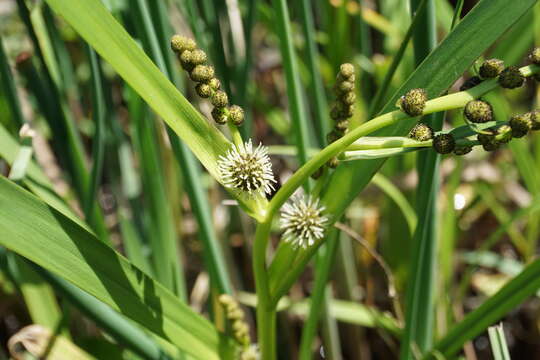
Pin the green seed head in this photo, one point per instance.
(346, 71)
(511, 78)
(214, 83)
(345, 110)
(413, 102)
(202, 73)
(344, 87)
(489, 142)
(220, 115)
(478, 111)
(534, 56)
(186, 60)
(520, 124)
(470, 83)
(342, 126)
(462, 150)
(535, 119)
(220, 99)
(348, 98)
(198, 57)
(444, 143)
(421, 132)
(236, 114)
(491, 68)
(180, 43)
(504, 134)
(204, 90)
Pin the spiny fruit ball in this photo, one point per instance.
(511, 78)
(520, 124)
(236, 114)
(219, 115)
(346, 71)
(180, 43)
(220, 99)
(413, 102)
(204, 90)
(478, 111)
(489, 143)
(444, 143)
(202, 73)
(491, 68)
(421, 132)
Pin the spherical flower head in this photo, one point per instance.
(204, 90)
(246, 169)
(220, 99)
(346, 71)
(421, 132)
(462, 150)
(198, 57)
(303, 221)
(348, 98)
(504, 134)
(236, 114)
(489, 142)
(214, 83)
(534, 56)
(413, 102)
(491, 68)
(185, 60)
(444, 143)
(511, 78)
(520, 124)
(345, 110)
(180, 43)
(478, 111)
(344, 87)
(470, 83)
(202, 73)
(220, 115)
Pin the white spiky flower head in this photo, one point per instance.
(303, 221)
(247, 169)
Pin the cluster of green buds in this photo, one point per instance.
(343, 108)
(194, 61)
(240, 328)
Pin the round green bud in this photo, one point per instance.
(491, 68)
(535, 119)
(345, 110)
(185, 60)
(214, 83)
(333, 162)
(220, 99)
(489, 143)
(421, 132)
(346, 71)
(520, 124)
(236, 114)
(534, 56)
(504, 134)
(444, 143)
(332, 136)
(342, 126)
(511, 78)
(462, 150)
(470, 83)
(343, 87)
(478, 111)
(180, 43)
(219, 115)
(348, 98)
(413, 102)
(202, 73)
(204, 90)
(198, 57)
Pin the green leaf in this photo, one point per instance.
(498, 343)
(46, 237)
(98, 27)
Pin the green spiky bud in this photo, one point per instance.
(202, 73)
(520, 124)
(333, 162)
(535, 120)
(413, 102)
(198, 57)
(444, 143)
(342, 126)
(236, 114)
(185, 60)
(470, 83)
(462, 150)
(204, 90)
(504, 134)
(421, 132)
(491, 68)
(220, 99)
(214, 83)
(220, 115)
(489, 142)
(343, 87)
(534, 56)
(478, 111)
(346, 71)
(180, 43)
(348, 98)
(511, 78)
